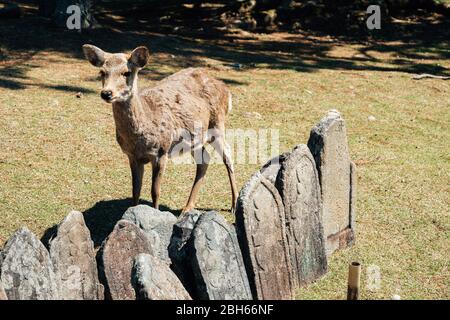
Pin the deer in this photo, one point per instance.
(152, 122)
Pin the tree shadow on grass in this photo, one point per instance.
(180, 44)
(68, 88)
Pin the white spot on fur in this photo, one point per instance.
(230, 103)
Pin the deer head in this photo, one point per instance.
(118, 71)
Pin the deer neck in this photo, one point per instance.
(129, 114)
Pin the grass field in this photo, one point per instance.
(59, 152)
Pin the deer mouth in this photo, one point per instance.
(110, 100)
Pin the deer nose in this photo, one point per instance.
(106, 94)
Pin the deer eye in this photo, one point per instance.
(127, 74)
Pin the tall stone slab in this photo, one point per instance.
(27, 272)
(157, 225)
(124, 243)
(261, 230)
(216, 260)
(154, 280)
(73, 256)
(337, 176)
(298, 184)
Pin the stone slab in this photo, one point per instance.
(299, 187)
(73, 256)
(329, 147)
(217, 261)
(261, 230)
(154, 280)
(27, 272)
(124, 243)
(157, 225)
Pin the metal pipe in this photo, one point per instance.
(354, 276)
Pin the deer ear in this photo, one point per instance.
(140, 56)
(96, 56)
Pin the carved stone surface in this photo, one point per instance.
(73, 256)
(260, 226)
(178, 250)
(154, 280)
(26, 270)
(124, 243)
(216, 260)
(157, 225)
(328, 145)
(2, 293)
(298, 183)
(271, 169)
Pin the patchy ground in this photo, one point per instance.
(59, 151)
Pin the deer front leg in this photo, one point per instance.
(159, 165)
(137, 173)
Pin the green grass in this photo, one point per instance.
(59, 152)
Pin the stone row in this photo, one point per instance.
(297, 210)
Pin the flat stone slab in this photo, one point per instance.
(154, 280)
(27, 272)
(124, 243)
(157, 225)
(261, 230)
(73, 256)
(337, 176)
(216, 260)
(299, 187)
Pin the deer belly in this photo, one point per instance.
(185, 144)
(138, 149)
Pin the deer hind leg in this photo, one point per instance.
(159, 166)
(137, 173)
(224, 150)
(202, 166)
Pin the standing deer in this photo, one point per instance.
(152, 122)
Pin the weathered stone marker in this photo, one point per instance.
(153, 279)
(260, 226)
(298, 184)
(73, 256)
(124, 243)
(179, 253)
(337, 174)
(216, 260)
(27, 272)
(157, 225)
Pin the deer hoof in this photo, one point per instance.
(186, 209)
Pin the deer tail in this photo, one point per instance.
(230, 102)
